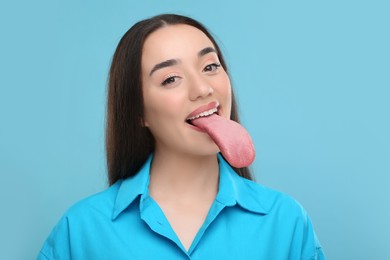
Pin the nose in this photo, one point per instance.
(199, 88)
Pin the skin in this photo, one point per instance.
(184, 173)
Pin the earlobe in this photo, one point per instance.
(144, 123)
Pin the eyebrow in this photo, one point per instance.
(173, 62)
(163, 64)
(205, 51)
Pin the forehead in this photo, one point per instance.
(174, 42)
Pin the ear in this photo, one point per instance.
(144, 123)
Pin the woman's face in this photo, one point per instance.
(181, 72)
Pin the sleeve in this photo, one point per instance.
(57, 245)
(311, 247)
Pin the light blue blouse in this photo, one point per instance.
(246, 221)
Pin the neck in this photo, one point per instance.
(183, 176)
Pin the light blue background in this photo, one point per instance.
(312, 79)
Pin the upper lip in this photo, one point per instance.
(203, 108)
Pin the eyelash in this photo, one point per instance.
(209, 68)
(169, 79)
(215, 65)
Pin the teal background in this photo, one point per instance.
(312, 80)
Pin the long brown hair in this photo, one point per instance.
(128, 143)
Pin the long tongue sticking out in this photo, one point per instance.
(232, 139)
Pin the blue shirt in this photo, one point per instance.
(246, 221)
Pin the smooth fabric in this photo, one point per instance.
(246, 221)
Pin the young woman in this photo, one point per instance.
(179, 186)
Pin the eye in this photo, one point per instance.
(212, 67)
(170, 80)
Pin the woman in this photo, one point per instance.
(171, 144)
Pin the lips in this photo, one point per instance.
(204, 110)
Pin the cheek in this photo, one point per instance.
(224, 90)
(229, 102)
(162, 107)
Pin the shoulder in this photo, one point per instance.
(273, 201)
(256, 197)
(287, 215)
(78, 220)
(99, 203)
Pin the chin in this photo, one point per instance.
(206, 150)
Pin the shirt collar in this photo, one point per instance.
(131, 187)
(233, 189)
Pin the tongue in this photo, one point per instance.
(232, 139)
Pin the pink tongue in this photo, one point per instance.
(232, 139)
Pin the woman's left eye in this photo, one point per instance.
(212, 67)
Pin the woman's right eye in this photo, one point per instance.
(169, 80)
